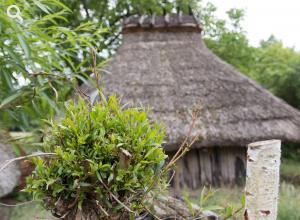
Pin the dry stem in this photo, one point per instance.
(7, 162)
(115, 198)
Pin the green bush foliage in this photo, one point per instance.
(106, 156)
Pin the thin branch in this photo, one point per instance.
(115, 198)
(102, 209)
(151, 213)
(173, 174)
(94, 65)
(64, 215)
(194, 117)
(82, 94)
(75, 200)
(182, 153)
(185, 146)
(7, 162)
(18, 204)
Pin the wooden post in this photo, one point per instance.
(262, 181)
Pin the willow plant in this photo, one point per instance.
(41, 59)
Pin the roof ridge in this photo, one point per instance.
(167, 21)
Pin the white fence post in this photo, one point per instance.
(262, 181)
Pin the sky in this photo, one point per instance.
(265, 17)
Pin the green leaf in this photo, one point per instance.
(16, 57)
(111, 177)
(10, 99)
(43, 7)
(229, 211)
(150, 152)
(49, 182)
(24, 45)
(243, 200)
(83, 184)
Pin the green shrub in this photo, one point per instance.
(107, 160)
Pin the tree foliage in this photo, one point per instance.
(41, 58)
(277, 68)
(228, 39)
(271, 64)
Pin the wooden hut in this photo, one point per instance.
(163, 63)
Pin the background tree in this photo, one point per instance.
(41, 59)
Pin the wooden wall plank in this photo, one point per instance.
(206, 166)
(193, 169)
(211, 166)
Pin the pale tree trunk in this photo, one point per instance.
(262, 182)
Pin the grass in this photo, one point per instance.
(290, 167)
(289, 202)
(289, 192)
(288, 208)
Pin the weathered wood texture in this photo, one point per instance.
(262, 182)
(211, 166)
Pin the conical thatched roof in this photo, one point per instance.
(163, 63)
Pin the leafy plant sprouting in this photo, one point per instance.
(107, 160)
(206, 202)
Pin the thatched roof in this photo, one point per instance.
(163, 63)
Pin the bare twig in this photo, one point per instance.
(185, 146)
(82, 94)
(102, 209)
(115, 198)
(173, 174)
(7, 162)
(18, 204)
(64, 215)
(151, 213)
(94, 60)
(75, 200)
(182, 153)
